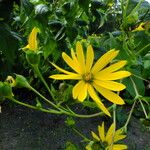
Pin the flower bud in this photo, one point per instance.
(21, 81)
(32, 40)
(5, 89)
(32, 57)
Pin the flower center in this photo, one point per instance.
(87, 77)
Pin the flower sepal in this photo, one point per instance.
(21, 81)
(32, 57)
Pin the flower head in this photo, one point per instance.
(95, 77)
(32, 40)
(139, 28)
(108, 139)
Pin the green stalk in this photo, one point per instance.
(36, 68)
(145, 113)
(45, 99)
(63, 111)
(137, 97)
(129, 117)
(34, 107)
(83, 136)
(114, 121)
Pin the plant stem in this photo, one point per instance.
(135, 89)
(83, 136)
(44, 98)
(63, 111)
(138, 97)
(33, 107)
(145, 113)
(129, 117)
(92, 115)
(36, 68)
(114, 122)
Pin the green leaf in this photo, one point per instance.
(49, 47)
(8, 47)
(38, 104)
(84, 4)
(70, 121)
(96, 4)
(146, 60)
(72, 33)
(55, 25)
(138, 82)
(41, 9)
(141, 39)
(145, 121)
(89, 104)
(27, 6)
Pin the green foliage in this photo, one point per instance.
(8, 48)
(104, 24)
(70, 121)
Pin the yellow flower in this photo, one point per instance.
(139, 28)
(32, 40)
(108, 139)
(93, 77)
(11, 81)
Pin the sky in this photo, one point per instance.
(148, 1)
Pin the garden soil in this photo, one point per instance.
(25, 129)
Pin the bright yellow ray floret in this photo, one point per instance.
(93, 77)
(32, 40)
(109, 139)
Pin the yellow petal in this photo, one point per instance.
(95, 136)
(77, 88)
(89, 58)
(114, 67)
(75, 59)
(26, 47)
(80, 56)
(113, 97)
(112, 76)
(65, 77)
(83, 92)
(110, 134)
(89, 146)
(111, 85)
(33, 39)
(71, 63)
(104, 60)
(101, 131)
(119, 137)
(119, 131)
(97, 100)
(119, 147)
(61, 70)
